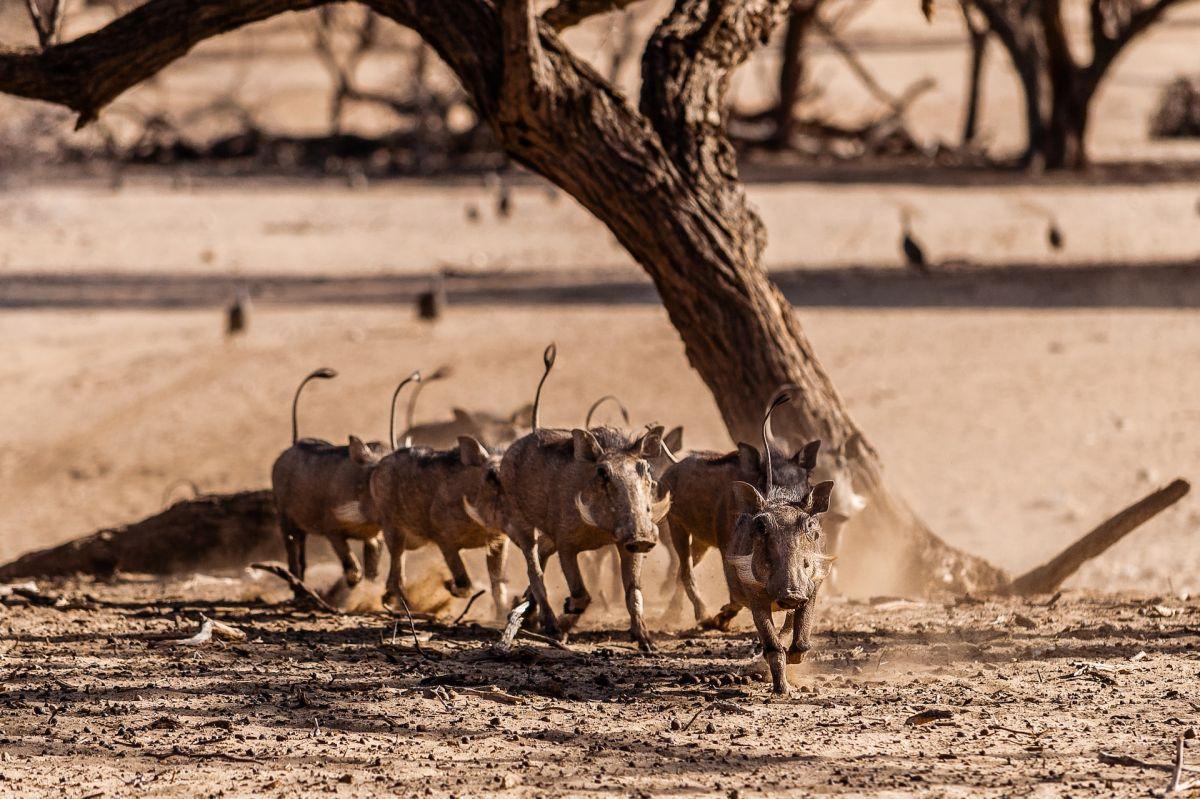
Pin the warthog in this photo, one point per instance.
(773, 561)
(447, 498)
(488, 428)
(568, 491)
(324, 489)
(703, 509)
(672, 442)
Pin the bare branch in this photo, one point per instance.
(568, 13)
(87, 73)
(46, 27)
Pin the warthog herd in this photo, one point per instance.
(477, 482)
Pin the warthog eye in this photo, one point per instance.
(760, 525)
(604, 471)
(642, 468)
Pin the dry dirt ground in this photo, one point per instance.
(1000, 698)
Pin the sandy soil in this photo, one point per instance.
(1021, 700)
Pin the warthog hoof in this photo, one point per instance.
(645, 645)
(459, 591)
(717, 622)
(796, 653)
(353, 577)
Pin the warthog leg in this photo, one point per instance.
(372, 555)
(772, 650)
(350, 566)
(459, 584)
(396, 540)
(579, 599)
(497, 555)
(293, 542)
(631, 576)
(802, 621)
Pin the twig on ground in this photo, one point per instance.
(545, 639)
(1177, 783)
(467, 609)
(297, 585)
(412, 627)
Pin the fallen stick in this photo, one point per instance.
(545, 639)
(1177, 783)
(1049, 576)
(296, 584)
(411, 627)
(467, 609)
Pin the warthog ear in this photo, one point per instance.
(461, 416)
(587, 448)
(359, 452)
(748, 458)
(817, 500)
(747, 497)
(523, 416)
(651, 444)
(806, 458)
(471, 452)
(674, 440)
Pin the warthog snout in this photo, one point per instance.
(639, 545)
(791, 600)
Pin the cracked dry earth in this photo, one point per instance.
(995, 698)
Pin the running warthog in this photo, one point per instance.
(450, 499)
(773, 561)
(568, 491)
(704, 510)
(324, 489)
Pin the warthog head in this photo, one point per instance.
(777, 541)
(616, 490)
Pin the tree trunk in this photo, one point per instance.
(1065, 145)
(977, 39)
(791, 72)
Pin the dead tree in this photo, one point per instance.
(1058, 87)
(662, 176)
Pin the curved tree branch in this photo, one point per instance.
(88, 73)
(568, 13)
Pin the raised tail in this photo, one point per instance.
(782, 398)
(440, 373)
(548, 359)
(415, 377)
(587, 422)
(324, 373)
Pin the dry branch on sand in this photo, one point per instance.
(214, 531)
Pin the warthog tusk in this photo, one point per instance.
(584, 513)
(742, 565)
(473, 513)
(660, 509)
